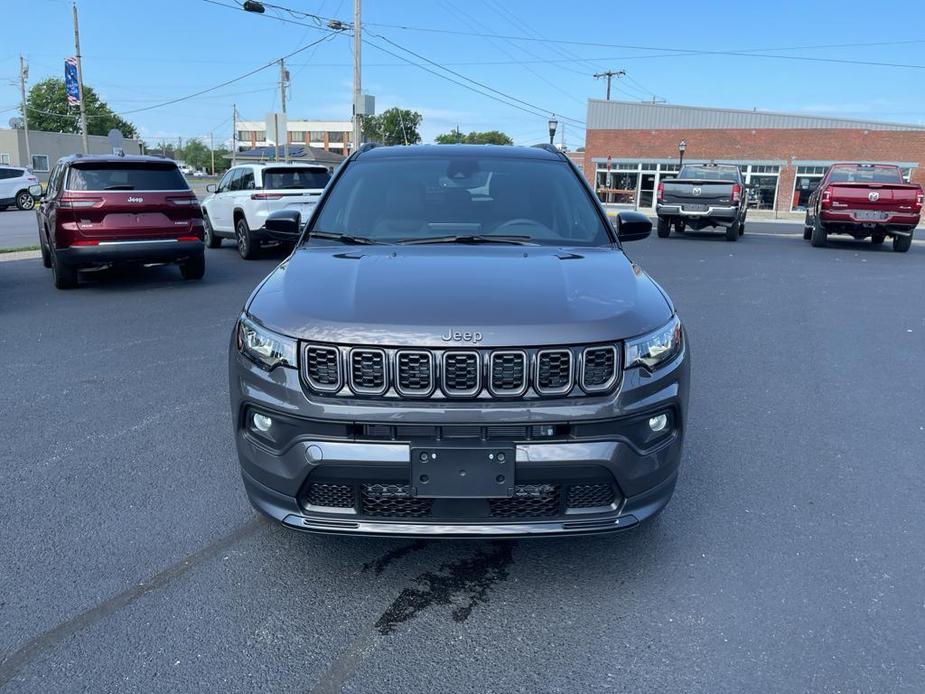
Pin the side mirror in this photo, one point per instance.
(211, 188)
(632, 226)
(284, 225)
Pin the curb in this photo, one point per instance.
(20, 255)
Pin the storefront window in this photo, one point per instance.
(617, 186)
(805, 182)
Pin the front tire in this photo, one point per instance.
(65, 276)
(247, 248)
(208, 233)
(24, 200)
(902, 244)
(818, 238)
(193, 268)
(663, 228)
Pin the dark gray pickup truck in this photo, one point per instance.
(703, 195)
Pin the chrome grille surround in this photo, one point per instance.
(368, 371)
(548, 356)
(407, 370)
(589, 353)
(455, 359)
(313, 369)
(508, 359)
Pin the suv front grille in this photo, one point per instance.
(485, 373)
(322, 368)
(529, 501)
(330, 495)
(508, 373)
(554, 371)
(590, 495)
(598, 368)
(392, 501)
(368, 371)
(461, 373)
(415, 373)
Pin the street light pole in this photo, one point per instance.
(80, 85)
(682, 145)
(553, 124)
(282, 98)
(23, 74)
(357, 73)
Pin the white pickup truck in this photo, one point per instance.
(237, 207)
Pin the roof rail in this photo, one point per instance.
(551, 148)
(366, 146)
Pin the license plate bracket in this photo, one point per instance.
(694, 207)
(871, 215)
(451, 472)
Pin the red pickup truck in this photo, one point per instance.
(864, 200)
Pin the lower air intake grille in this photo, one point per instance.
(508, 373)
(415, 373)
(392, 501)
(590, 495)
(599, 368)
(461, 373)
(331, 495)
(554, 371)
(529, 501)
(368, 371)
(322, 368)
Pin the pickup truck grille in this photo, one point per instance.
(529, 373)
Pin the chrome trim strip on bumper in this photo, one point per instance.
(678, 209)
(575, 527)
(132, 243)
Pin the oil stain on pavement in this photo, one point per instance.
(463, 583)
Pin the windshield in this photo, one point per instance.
(103, 176)
(391, 200)
(708, 173)
(854, 173)
(280, 179)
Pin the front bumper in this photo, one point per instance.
(155, 251)
(354, 447)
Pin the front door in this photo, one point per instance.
(646, 191)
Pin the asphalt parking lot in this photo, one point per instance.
(791, 558)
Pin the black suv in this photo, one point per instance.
(458, 346)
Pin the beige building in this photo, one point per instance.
(47, 148)
(330, 135)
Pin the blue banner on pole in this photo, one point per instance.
(71, 85)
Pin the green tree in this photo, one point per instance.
(488, 137)
(396, 126)
(49, 110)
(197, 156)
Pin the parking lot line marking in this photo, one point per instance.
(45, 641)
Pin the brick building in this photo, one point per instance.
(631, 146)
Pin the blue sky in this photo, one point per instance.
(138, 54)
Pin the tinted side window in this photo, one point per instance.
(247, 180)
(224, 182)
(235, 182)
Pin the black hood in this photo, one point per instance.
(509, 295)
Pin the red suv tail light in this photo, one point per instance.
(826, 198)
(79, 203)
(736, 192)
(183, 201)
(266, 196)
(919, 201)
(660, 194)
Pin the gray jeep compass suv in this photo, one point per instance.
(458, 346)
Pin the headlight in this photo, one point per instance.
(264, 347)
(657, 348)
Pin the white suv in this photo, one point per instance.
(18, 186)
(238, 206)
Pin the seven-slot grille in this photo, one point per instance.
(368, 371)
(415, 373)
(554, 371)
(508, 373)
(462, 373)
(322, 368)
(598, 368)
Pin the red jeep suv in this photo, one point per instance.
(105, 210)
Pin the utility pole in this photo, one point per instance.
(283, 79)
(609, 74)
(234, 132)
(80, 85)
(357, 77)
(212, 149)
(23, 74)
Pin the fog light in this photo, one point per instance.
(658, 423)
(263, 423)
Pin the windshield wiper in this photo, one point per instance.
(473, 239)
(343, 238)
